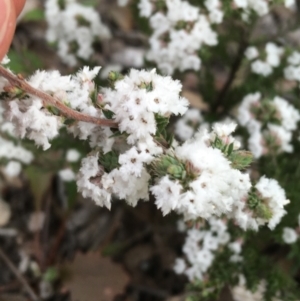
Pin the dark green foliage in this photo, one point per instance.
(108, 114)
(162, 134)
(168, 165)
(239, 159)
(109, 160)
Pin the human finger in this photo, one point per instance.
(7, 25)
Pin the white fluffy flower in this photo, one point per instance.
(89, 181)
(13, 169)
(294, 58)
(289, 3)
(274, 54)
(200, 248)
(131, 188)
(122, 2)
(72, 155)
(245, 114)
(5, 60)
(167, 194)
(9, 150)
(67, 175)
(261, 67)
(251, 53)
(260, 7)
(273, 57)
(74, 27)
(179, 33)
(186, 126)
(215, 188)
(292, 71)
(289, 235)
(33, 121)
(288, 115)
(37, 122)
(138, 97)
(274, 197)
(267, 135)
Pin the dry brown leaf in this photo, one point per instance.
(195, 100)
(95, 278)
(123, 17)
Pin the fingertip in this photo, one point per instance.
(19, 5)
(7, 26)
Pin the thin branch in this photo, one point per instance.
(19, 82)
(20, 277)
(234, 69)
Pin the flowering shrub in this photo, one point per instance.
(227, 171)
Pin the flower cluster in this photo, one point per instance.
(259, 7)
(186, 126)
(141, 103)
(67, 174)
(270, 123)
(265, 67)
(179, 32)
(74, 27)
(205, 189)
(41, 122)
(266, 200)
(201, 247)
(12, 155)
(292, 71)
(201, 178)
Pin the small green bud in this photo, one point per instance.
(240, 159)
(147, 86)
(263, 211)
(168, 165)
(176, 171)
(14, 91)
(114, 76)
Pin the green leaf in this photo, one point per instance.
(118, 134)
(69, 121)
(240, 159)
(230, 149)
(24, 62)
(34, 15)
(51, 274)
(53, 110)
(109, 161)
(161, 123)
(108, 114)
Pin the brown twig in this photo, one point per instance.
(20, 277)
(57, 243)
(234, 69)
(19, 82)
